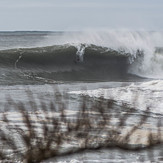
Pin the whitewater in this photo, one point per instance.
(140, 96)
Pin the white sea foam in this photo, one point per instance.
(80, 52)
(147, 94)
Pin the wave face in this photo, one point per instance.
(65, 62)
(69, 56)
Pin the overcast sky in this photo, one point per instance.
(62, 15)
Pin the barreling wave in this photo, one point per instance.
(66, 62)
(69, 62)
(58, 55)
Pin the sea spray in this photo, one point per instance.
(80, 53)
(128, 42)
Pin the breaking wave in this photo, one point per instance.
(84, 56)
(148, 42)
(66, 62)
(63, 56)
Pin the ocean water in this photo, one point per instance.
(126, 66)
(54, 58)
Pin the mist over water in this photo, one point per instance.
(150, 44)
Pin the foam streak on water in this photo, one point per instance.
(141, 96)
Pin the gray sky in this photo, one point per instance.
(81, 14)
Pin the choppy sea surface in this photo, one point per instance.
(121, 65)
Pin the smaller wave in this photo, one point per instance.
(140, 96)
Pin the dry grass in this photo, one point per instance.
(49, 129)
